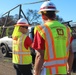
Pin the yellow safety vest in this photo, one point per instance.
(57, 40)
(21, 55)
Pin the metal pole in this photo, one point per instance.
(11, 9)
(20, 11)
(35, 2)
(5, 24)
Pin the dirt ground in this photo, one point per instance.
(6, 69)
(6, 66)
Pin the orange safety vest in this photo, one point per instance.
(57, 40)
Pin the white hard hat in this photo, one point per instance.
(48, 6)
(22, 22)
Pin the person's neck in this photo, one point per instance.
(48, 20)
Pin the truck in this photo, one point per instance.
(6, 45)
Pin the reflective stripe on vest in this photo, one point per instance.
(48, 42)
(55, 62)
(21, 53)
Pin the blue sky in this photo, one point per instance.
(67, 8)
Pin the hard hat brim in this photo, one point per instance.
(22, 25)
(47, 10)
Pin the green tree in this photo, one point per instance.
(33, 17)
(59, 18)
(5, 23)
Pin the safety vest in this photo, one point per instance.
(57, 40)
(21, 55)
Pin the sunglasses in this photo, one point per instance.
(25, 27)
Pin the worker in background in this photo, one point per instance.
(22, 58)
(51, 42)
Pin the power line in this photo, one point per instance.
(35, 2)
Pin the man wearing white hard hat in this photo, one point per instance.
(22, 58)
(51, 42)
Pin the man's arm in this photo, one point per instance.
(70, 61)
(39, 62)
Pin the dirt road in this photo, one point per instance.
(6, 66)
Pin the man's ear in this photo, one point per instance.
(44, 17)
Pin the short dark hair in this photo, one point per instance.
(49, 14)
